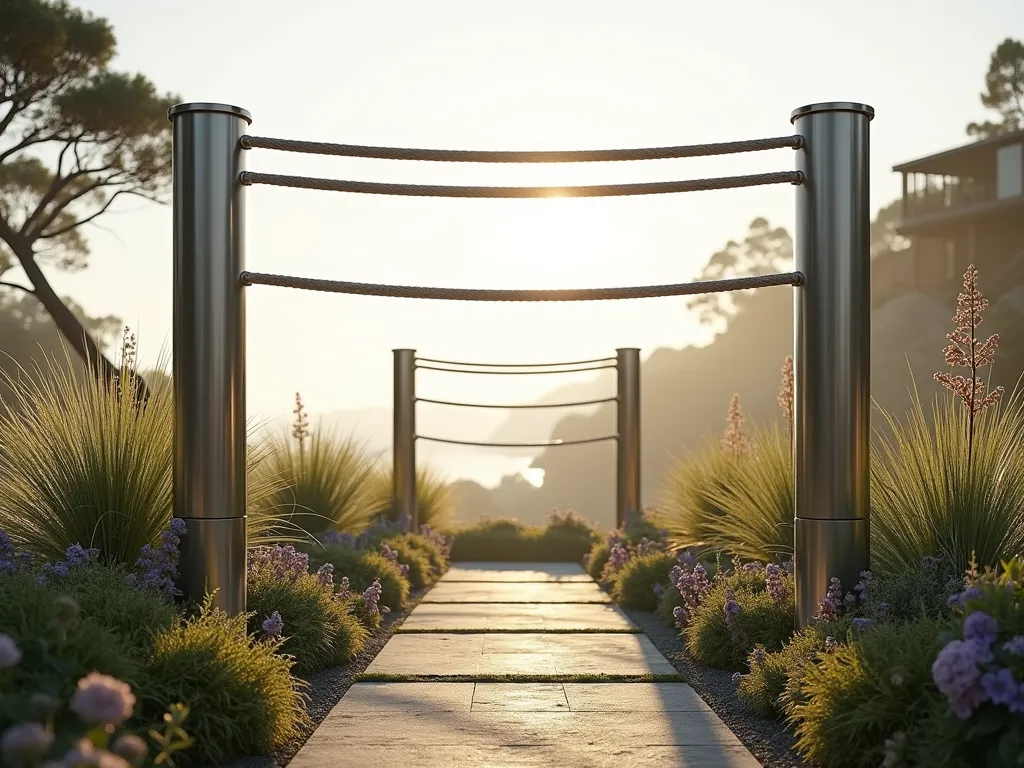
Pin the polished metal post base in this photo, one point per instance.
(827, 548)
(213, 562)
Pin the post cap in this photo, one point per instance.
(208, 106)
(832, 106)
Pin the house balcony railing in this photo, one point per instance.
(953, 197)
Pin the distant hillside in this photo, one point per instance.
(685, 394)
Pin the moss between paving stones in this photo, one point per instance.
(384, 677)
(527, 631)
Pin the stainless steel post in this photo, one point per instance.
(209, 350)
(404, 442)
(628, 447)
(832, 361)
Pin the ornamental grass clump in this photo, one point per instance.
(95, 467)
(435, 497)
(324, 481)
(319, 630)
(634, 585)
(952, 484)
(242, 697)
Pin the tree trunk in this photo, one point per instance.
(69, 326)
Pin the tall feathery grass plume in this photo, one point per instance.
(965, 350)
(952, 484)
(785, 398)
(735, 439)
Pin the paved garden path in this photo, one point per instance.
(521, 664)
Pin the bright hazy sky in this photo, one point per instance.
(517, 74)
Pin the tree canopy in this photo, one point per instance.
(74, 137)
(1004, 91)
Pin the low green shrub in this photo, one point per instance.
(361, 567)
(420, 572)
(597, 558)
(634, 583)
(510, 540)
(915, 592)
(736, 615)
(430, 548)
(318, 629)
(862, 693)
(106, 595)
(59, 645)
(241, 695)
(642, 526)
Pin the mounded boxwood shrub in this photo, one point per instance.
(864, 692)
(421, 573)
(319, 630)
(633, 586)
(433, 552)
(362, 566)
(241, 695)
(762, 620)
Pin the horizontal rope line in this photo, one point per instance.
(520, 405)
(512, 294)
(515, 365)
(492, 156)
(547, 444)
(518, 373)
(602, 190)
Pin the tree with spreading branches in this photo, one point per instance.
(74, 137)
(1004, 91)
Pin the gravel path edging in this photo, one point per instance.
(326, 687)
(768, 740)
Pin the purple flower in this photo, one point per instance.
(1000, 687)
(828, 608)
(1015, 645)
(751, 567)
(10, 653)
(686, 559)
(84, 753)
(883, 609)
(957, 676)
(961, 599)
(371, 597)
(325, 574)
(861, 624)
(757, 656)
(680, 615)
(864, 585)
(981, 628)
(102, 700)
(646, 547)
(130, 748)
(278, 562)
(344, 593)
(24, 744)
(830, 644)
(732, 612)
(774, 583)
(157, 568)
(274, 625)
(657, 589)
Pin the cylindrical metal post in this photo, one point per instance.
(628, 449)
(832, 361)
(404, 442)
(209, 350)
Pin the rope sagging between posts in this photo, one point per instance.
(511, 294)
(249, 178)
(491, 156)
(545, 444)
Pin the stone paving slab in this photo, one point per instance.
(521, 616)
(516, 572)
(505, 592)
(527, 653)
(319, 753)
(519, 697)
